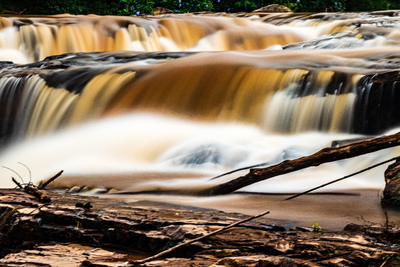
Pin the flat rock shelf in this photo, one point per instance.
(76, 230)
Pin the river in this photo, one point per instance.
(157, 103)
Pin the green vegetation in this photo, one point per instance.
(316, 228)
(137, 7)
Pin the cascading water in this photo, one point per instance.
(177, 116)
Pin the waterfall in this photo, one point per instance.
(176, 82)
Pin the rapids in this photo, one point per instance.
(162, 102)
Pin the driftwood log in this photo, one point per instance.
(325, 155)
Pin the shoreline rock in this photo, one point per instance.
(112, 233)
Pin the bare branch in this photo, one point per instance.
(50, 180)
(325, 155)
(16, 182)
(344, 177)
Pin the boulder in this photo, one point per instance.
(273, 8)
(391, 193)
(161, 10)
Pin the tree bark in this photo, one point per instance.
(328, 154)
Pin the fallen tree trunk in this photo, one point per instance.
(328, 154)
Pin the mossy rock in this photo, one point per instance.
(161, 10)
(273, 8)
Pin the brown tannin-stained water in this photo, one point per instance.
(160, 103)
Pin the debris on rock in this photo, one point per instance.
(113, 233)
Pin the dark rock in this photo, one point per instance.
(304, 229)
(178, 232)
(258, 260)
(353, 227)
(27, 245)
(86, 205)
(391, 193)
(359, 258)
(222, 253)
(112, 231)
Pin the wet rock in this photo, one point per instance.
(63, 255)
(161, 10)
(311, 254)
(113, 233)
(86, 205)
(177, 232)
(273, 8)
(222, 253)
(284, 246)
(304, 229)
(359, 258)
(391, 193)
(249, 261)
(351, 227)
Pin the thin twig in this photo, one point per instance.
(16, 182)
(387, 259)
(196, 239)
(38, 208)
(51, 180)
(345, 177)
(240, 169)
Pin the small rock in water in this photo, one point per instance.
(275, 47)
(201, 155)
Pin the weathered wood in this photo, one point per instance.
(41, 196)
(42, 186)
(325, 155)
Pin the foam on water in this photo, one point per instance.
(147, 151)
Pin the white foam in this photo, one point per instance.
(152, 143)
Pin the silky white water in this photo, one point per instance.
(146, 122)
(141, 146)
